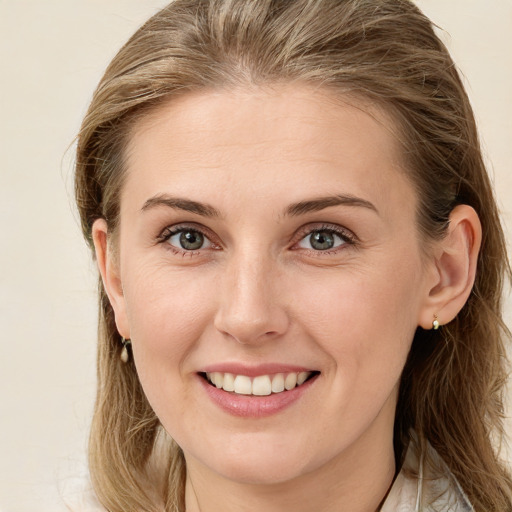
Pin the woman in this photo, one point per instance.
(291, 218)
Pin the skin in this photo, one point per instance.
(259, 292)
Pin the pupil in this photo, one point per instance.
(191, 240)
(322, 240)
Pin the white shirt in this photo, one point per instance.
(425, 488)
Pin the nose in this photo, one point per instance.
(251, 309)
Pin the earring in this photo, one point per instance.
(435, 323)
(125, 355)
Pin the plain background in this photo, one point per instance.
(52, 56)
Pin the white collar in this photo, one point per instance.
(424, 484)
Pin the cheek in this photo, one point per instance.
(364, 319)
(359, 302)
(166, 306)
(359, 325)
(167, 313)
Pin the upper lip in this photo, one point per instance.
(254, 370)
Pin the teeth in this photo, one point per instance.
(301, 378)
(218, 379)
(262, 385)
(278, 383)
(229, 382)
(291, 381)
(243, 385)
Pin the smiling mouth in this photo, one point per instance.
(262, 385)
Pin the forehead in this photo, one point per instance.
(285, 134)
(297, 109)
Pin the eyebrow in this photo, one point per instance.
(178, 203)
(294, 210)
(320, 203)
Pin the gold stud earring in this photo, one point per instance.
(125, 355)
(435, 323)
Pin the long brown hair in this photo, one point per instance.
(387, 52)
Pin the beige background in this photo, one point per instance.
(52, 54)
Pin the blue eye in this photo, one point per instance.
(322, 240)
(188, 240)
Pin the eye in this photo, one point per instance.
(188, 239)
(322, 240)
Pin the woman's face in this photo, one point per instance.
(265, 235)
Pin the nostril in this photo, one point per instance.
(248, 312)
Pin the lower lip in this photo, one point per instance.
(251, 406)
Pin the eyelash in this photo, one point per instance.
(169, 232)
(347, 236)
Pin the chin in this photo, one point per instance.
(264, 472)
(260, 462)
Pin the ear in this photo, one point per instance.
(455, 261)
(110, 274)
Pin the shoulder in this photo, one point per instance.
(440, 489)
(78, 495)
(425, 484)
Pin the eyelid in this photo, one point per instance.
(169, 231)
(345, 234)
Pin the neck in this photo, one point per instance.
(356, 480)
